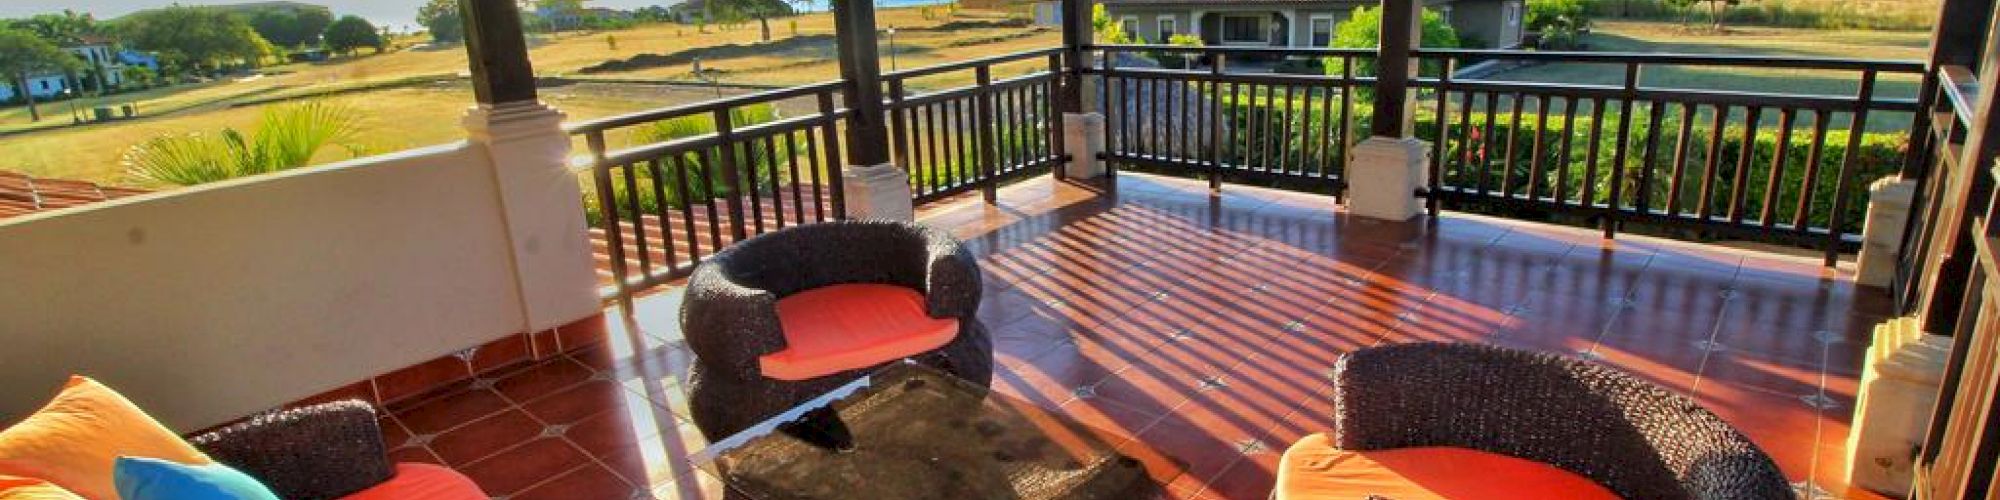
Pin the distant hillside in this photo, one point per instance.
(252, 7)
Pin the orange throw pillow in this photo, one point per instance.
(74, 441)
(27, 488)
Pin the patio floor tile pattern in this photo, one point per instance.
(1206, 327)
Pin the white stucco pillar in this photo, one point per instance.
(1882, 233)
(528, 153)
(1900, 378)
(878, 192)
(1083, 140)
(1384, 176)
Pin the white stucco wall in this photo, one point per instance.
(209, 303)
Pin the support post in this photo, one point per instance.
(874, 187)
(528, 154)
(1387, 169)
(1882, 233)
(1083, 126)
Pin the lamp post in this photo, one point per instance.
(73, 117)
(892, 48)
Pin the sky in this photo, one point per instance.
(392, 13)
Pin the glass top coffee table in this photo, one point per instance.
(908, 431)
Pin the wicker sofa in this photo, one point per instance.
(1627, 435)
(730, 314)
(327, 451)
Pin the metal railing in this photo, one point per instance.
(975, 136)
(705, 175)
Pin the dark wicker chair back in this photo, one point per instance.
(1633, 437)
(729, 316)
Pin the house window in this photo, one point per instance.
(1322, 31)
(1444, 13)
(1168, 29)
(1243, 29)
(1130, 25)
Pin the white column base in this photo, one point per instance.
(878, 192)
(543, 208)
(1083, 140)
(1383, 178)
(1882, 234)
(1899, 381)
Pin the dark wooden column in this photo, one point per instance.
(497, 51)
(1394, 67)
(861, 70)
(1076, 38)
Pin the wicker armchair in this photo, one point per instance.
(1636, 439)
(322, 451)
(730, 320)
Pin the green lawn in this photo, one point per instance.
(1671, 37)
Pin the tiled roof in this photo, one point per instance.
(22, 194)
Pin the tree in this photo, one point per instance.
(1364, 30)
(291, 27)
(1714, 9)
(67, 28)
(557, 10)
(760, 10)
(1108, 30)
(23, 54)
(1560, 23)
(194, 38)
(138, 74)
(352, 32)
(441, 17)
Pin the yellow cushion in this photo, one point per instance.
(27, 488)
(74, 441)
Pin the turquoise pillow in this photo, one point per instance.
(154, 479)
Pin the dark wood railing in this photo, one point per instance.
(1948, 278)
(702, 176)
(1621, 154)
(1291, 130)
(975, 136)
(1671, 157)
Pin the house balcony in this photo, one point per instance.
(1205, 327)
(1175, 257)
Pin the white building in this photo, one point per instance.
(99, 61)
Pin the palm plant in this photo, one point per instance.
(286, 136)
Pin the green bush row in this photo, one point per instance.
(1254, 124)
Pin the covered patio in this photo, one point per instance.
(1205, 327)
(1164, 257)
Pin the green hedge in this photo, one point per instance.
(1882, 154)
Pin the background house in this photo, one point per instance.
(103, 69)
(1300, 23)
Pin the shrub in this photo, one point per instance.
(1561, 23)
(287, 136)
(1179, 60)
(696, 176)
(1364, 30)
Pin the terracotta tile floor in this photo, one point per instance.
(1206, 327)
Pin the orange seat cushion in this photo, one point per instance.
(1313, 469)
(422, 481)
(837, 328)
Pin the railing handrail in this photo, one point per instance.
(970, 64)
(1961, 87)
(1227, 49)
(708, 106)
(1687, 59)
(1673, 58)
